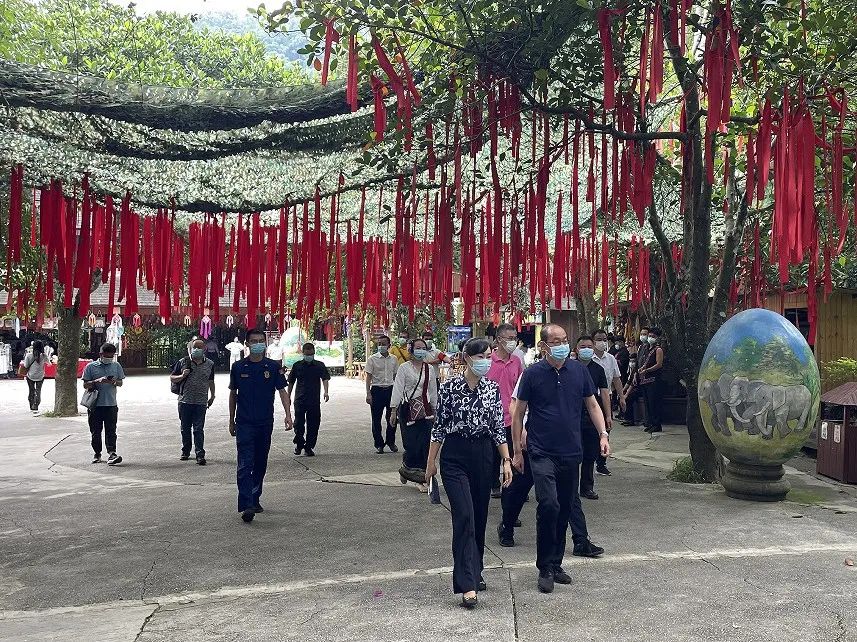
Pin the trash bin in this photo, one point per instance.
(837, 434)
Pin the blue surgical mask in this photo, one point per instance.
(107, 359)
(309, 358)
(383, 350)
(560, 352)
(420, 354)
(480, 366)
(257, 348)
(197, 353)
(652, 340)
(586, 354)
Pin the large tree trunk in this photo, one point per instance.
(68, 353)
(702, 450)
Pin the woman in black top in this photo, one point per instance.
(649, 376)
(469, 424)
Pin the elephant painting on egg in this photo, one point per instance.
(764, 406)
(716, 395)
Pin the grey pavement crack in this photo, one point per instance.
(840, 623)
(146, 623)
(152, 570)
(45, 454)
(514, 604)
(300, 463)
(306, 620)
(712, 564)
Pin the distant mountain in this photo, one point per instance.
(284, 45)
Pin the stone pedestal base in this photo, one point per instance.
(755, 482)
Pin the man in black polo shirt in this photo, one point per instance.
(309, 374)
(555, 390)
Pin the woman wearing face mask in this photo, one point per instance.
(649, 376)
(412, 405)
(470, 426)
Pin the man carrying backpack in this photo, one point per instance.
(193, 381)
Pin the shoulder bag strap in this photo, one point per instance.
(414, 391)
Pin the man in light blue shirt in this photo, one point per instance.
(104, 375)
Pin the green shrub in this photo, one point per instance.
(683, 471)
(835, 373)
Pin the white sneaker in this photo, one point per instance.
(114, 459)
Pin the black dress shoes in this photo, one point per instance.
(589, 494)
(546, 581)
(560, 576)
(587, 549)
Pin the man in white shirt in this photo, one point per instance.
(275, 352)
(614, 380)
(380, 373)
(236, 351)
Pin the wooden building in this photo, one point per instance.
(836, 330)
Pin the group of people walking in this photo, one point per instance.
(500, 429)
(253, 382)
(497, 428)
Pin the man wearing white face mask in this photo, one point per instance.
(506, 368)
(556, 391)
(614, 380)
(104, 375)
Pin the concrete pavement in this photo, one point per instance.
(154, 549)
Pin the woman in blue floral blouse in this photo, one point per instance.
(469, 424)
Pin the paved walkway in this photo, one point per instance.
(154, 550)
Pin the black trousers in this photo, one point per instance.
(103, 418)
(415, 439)
(254, 444)
(515, 496)
(630, 404)
(307, 421)
(653, 403)
(467, 468)
(555, 480)
(380, 404)
(591, 451)
(35, 394)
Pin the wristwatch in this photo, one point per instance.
(505, 459)
(604, 433)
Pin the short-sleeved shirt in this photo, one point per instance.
(308, 375)
(600, 381)
(255, 383)
(555, 397)
(275, 352)
(506, 374)
(610, 365)
(35, 367)
(195, 387)
(383, 369)
(106, 391)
